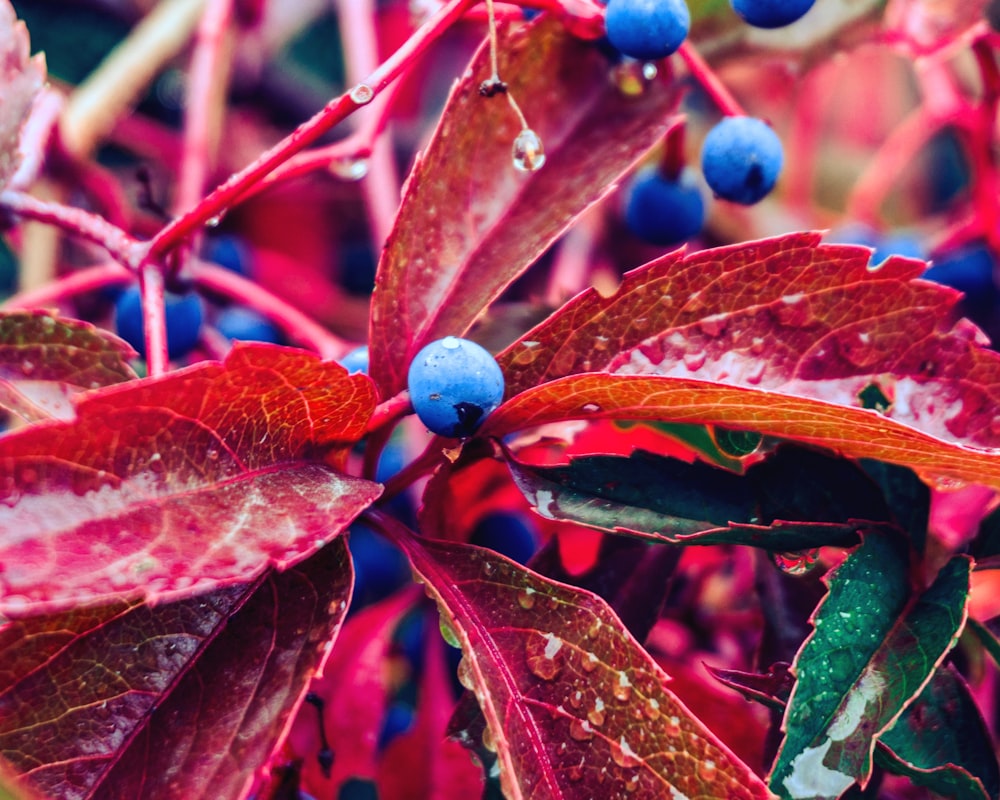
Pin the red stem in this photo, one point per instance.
(86, 280)
(335, 112)
(122, 247)
(706, 76)
(299, 327)
(154, 318)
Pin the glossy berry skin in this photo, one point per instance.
(969, 269)
(647, 29)
(741, 159)
(240, 323)
(664, 211)
(184, 316)
(771, 13)
(454, 384)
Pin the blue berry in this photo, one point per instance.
(356, 360)
(741, 159)
(398, 720)
(647, 29)
(508, 534)
(664, 211)
(771, 13)
(240, 323)
(379, 567)
(970, 269)
(230, 252)
(454, 384)
(184, 317)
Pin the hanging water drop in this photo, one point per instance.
(798, 562)
(349, 169)
(623, 755)
(528, 151)
(362, 94)
(581, 730)
(526, 598)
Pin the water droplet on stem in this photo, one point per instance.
(528, 152)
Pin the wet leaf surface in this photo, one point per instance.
(574, 705)
(873, 649)
(45, 359)
(183, 699)
(470, 222)
(164, 488)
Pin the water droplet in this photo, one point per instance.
(737, 443)
(623, 755)
(489, 568)
(622, 689)
(796, 563)
(214, 222)
(652, 709)
(488, 741)
(349, 169)
(695, 361)
(631, 77)
(596, 714)
(528, 152)
(576, 699)
(451, 343)
(526, 353)
(448, 633)
(707, 770)
(632, 783)
(757, 345)
(793, 311)
(362, 94)
(590, 408)
(714, 325)
(601, 342)
(649, 70)
(544, 655)
(526, 598)
(673, 727)
(580, 730)
(27, 367)
(945, 483)
(464, 673)
(575, 772)
(594, 628)
(590, 662)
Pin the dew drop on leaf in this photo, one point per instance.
(576, 699)
(695, 361)
(528, 152)
(362, 94)
(631, 77)
(581, 730)
(543, 653)
(464, 673)
(526, 598)
(448, 633)
(707, 770)
(597, 714)
(590, 662)
(623, 755)
(622, 689)
(652, 709)
(798, 562)
(590, 408)
(488, 742)
(737, 443)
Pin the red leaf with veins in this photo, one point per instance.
(470, 223)
(163, 488)
(752, 335)
(45, 360)
(184, 699)
(575, 707)
(21, 79)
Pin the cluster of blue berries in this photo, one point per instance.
(741, 157)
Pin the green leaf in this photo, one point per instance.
(796, 499)
(941, 741)
(873, 649)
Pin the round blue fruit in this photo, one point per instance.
(356, 360)
(771, 13)
(647, 29)
(240, 323)
(741, 159)
(454, 384)
(184, 317)
(664, 211)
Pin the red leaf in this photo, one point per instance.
(470, 223)
(21, 79)
(354, 688)
(772, 336)
(162, 488)
(186, 699)
(422, 764)
(575, 706)
(45, 360)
